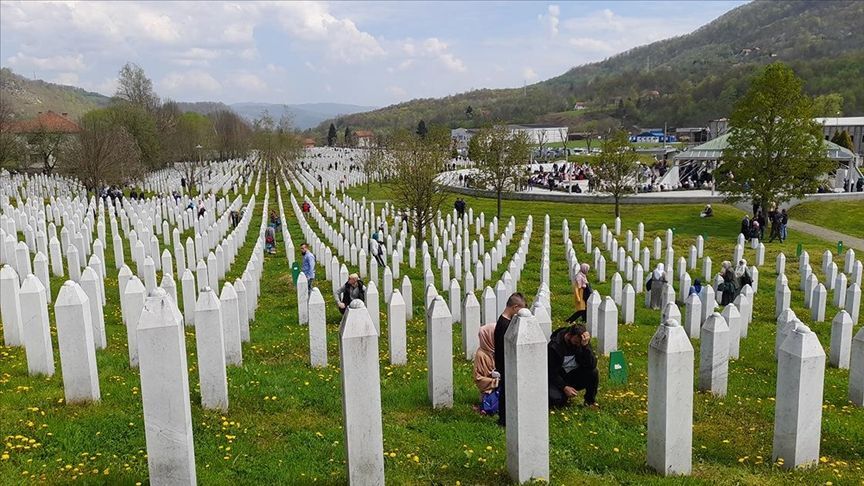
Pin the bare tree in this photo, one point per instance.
(418, 161)
(541, 141)
(12, 150)
(102, 154)
(135, 87)
(617, 168)
(562, 133)
(501, 159)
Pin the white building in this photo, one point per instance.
(544, 134)
(853, 125)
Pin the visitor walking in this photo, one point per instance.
(308, 264)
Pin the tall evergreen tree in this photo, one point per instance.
(331, 136)
(421, 129)
(843, 139)
(346, 139)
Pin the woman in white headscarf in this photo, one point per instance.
(742, 275)
(658, 281)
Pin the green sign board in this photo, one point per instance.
(617, 368)
(840, 247)
(295, 271)
(799, 249)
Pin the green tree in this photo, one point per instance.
(775, 150)
(843, 139)
(617, 169)
(473, 148)
(828, 105)
(140, 124)
(421, 129)
(331, 135)
(12, 150)
(501, 159)
(346, 138)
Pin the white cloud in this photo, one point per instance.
(551, 19)
(434, 47)
(24, 62)
(528, 74)
(312, 22)
(190, 81)
(247, 82)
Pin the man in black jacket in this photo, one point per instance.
(353, 289)
(515, 302)
(572, 366)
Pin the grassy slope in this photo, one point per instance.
(297, 437)
(842, 216)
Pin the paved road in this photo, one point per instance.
(828, 235)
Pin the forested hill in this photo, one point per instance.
(685, 80)
(26, 97)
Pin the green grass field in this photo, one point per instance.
(843, 216)
(284, 421)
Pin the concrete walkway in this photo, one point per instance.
(848, 241)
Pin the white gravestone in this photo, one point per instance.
(714, 356)
(37, 331)
(396, 329)
(841, 340)
(439, 343)
(210, 347)
(318, 329)
(670, 400)
(361, 397)
(77, 349)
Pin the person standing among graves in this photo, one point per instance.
(270, 240)
(656, 284)
(784, 220)
(485, 375)
(581, 292)
(742, 276)
(760, 218)
(353, 289)
(745, 226)
(376, 246)
(515, 302)
(572, 366)
(308, 264)
(727, 286)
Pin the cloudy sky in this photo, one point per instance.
(367, 53)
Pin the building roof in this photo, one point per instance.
(49, 121)
(842, 121)
(713, 150)
(364, 134)
(536, 125)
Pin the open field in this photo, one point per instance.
(284, 420)
(842, 216)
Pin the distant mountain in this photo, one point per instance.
(28, 97)
(303, 116)
(202, 107)
(682, 81)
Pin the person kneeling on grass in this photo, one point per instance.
(352, 290)
(485, 376)
(572, 366)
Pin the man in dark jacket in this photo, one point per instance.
(515, 302)
(352, 290)
(572, 366)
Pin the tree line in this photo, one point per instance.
(140, 132)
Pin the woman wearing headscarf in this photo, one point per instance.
(658, 281)
(727, 288)
(485, 375)
(742, 275)
(581, 292)
(696, 288)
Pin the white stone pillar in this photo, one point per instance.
(798, 407)
(607, 332)
(841, 340)
(527, 430)
(302, 289)
(36, 329)
(361, 397)
(242, 309)
(439, 346)
(856, 370)
(670, 400)
(231, 325)
(714, 356)
(693, 317)
(408, 297)
(470, 325)
(210, 347)
(187, 286)
(90, 285)
(628, 304)
(165, 392)
(490, 306)
(10, 307)
(77, 350)
(592, 311)
(396, 329)
(733, 320)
